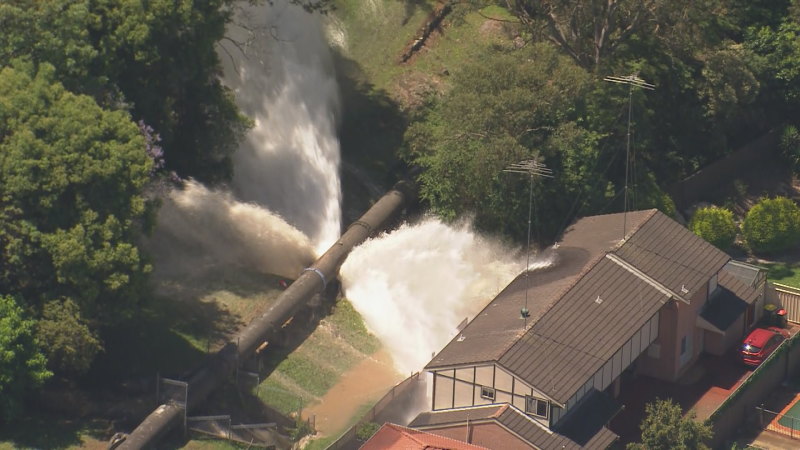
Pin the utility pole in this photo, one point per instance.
(632, 81)
(531, 168)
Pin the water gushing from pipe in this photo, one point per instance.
(414, 286)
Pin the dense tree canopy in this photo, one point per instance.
(22, 366)
(505, 107)
(156, 58)
(71, 176)
(724, 73)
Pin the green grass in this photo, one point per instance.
(784, 273)
(340, 342)
(350, 326)
(38, 430)
(283, 398)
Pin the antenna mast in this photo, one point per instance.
(531, 168)
(632, 81)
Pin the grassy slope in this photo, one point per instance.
(305, 375)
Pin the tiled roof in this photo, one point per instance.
(395, 437)
(495, 329)
(570, 333)
(516, 422)
(580, 333)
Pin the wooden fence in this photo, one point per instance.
(789, 299)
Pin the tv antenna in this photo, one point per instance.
(532, 168)
(632, 81)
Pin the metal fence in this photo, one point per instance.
(779, 423)
(789, 299)
(259, 434)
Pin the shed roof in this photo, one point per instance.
(569, 334)
(518, 423)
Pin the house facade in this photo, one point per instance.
(646, 304)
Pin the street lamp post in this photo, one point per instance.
(531, 168)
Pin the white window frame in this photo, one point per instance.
(488, 393)
(532, 406)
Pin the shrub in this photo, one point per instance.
(715, 225)
(772, 225)
(365, 430)
(789, 146)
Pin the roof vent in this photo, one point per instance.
(683, 289)
(461, 338)
(598, 300)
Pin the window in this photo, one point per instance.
(536, 406)
(487, 393)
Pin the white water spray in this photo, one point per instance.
(414, 285)
(279, 65)
(200, 229)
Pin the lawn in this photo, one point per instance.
(784, 273)
(303, 376)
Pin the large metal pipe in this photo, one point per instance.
(310, 282)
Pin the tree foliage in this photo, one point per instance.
(71, 177)
(508, 106)
(66, 338)
(715, 225)
(771, 225)
(155, 58)
(665, 428)
(22, 365)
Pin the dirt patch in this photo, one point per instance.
(413, 88)
(365, 383)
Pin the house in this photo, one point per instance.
(395, 437)
(554, 348)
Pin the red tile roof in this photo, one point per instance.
(395, 437)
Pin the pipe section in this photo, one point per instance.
(310, 282)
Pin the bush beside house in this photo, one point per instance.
(715, 225)
(772, 225)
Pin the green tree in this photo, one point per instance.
(665, 428)
(71, 180)
(772, 224)
(68, 342)
(22, 365)
(507, 106)
(715, 225)
(155, 58)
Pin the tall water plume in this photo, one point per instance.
(414, 285)
(279, 65)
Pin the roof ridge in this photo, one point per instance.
(650, 214)
(407, 431)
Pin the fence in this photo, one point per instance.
(779, 423)
(349, 436)
(261, 434)
(789, 299)
(708, 179)
(734, 411)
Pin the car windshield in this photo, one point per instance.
(750, 348)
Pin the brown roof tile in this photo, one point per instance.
(395, 437)
(569, 335)
(515, 421)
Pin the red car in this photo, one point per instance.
(760, 344)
